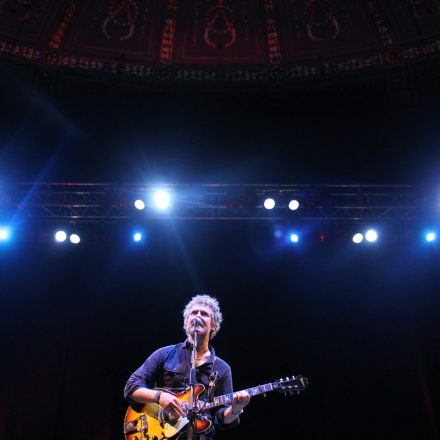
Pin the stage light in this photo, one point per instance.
(293, 205)
(294, 238)
(137, 237)
(75, 238)
(371, 235)
(5, 234)
(139, 204)
(60, 236)
(269, 203)
(161, 199)
(358, 238)
(430, 236)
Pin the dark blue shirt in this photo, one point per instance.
(169, 367)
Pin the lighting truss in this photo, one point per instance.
(109, 202)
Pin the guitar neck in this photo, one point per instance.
(227, 399)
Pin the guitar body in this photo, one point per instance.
(153, 422)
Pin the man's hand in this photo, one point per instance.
(241, 399)
(171, 404)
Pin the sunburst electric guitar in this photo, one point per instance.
(154, 423)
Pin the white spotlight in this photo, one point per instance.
(74, 238)
(358, 238)
(371, 235)
(294, 238)
(430, 236)
(269, 203)
(60, 236)
(4, 234)
(139, 204)
(137, 236)
(293, 205)
(162, 199)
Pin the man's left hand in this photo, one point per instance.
(241, 399)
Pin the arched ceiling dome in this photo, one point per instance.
(209, 40)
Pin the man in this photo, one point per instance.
(169, 367)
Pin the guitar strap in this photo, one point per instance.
(212, 379)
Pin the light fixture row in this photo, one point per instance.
(161, 200)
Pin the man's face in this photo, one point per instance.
(204, 315)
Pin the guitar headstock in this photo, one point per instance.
(291, 385)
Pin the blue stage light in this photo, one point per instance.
(60, 236)
(430, 236)
(139, 204)
(137, 237)
(293, 205)
(161, 199)
(358, 238)
(269, 203)
(371, 235)
(5, 234)
(294, 238)
(75, 238)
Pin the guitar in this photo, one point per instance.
(153, 422)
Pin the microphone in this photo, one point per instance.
(197, 321)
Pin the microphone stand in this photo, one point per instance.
(192, 384)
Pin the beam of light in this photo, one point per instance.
(269, 203)
(358, 238)
(5, 234)
(60, 236)
(293, 205)
(75, 238)
(139, 204)
(186, 255)
(371, 235)
(161, 199)
(430, 236)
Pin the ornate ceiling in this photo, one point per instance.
(209, 40)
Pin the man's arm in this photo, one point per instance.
(228, 417)
(241, 399)
(139, 386)
(164, 399)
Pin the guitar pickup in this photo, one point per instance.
(130, 428)
(133, 427)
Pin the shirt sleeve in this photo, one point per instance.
(225, 387)
(145, 376)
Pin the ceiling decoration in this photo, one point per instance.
(228, 40)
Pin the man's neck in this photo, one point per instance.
(202, 348)
(202, 345)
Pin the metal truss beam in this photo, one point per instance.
(109, 202)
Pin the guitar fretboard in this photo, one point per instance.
(227, 399)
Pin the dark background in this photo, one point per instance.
(58, 126)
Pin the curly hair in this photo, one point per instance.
(210, 302)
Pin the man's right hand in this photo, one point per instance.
(171, 404)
